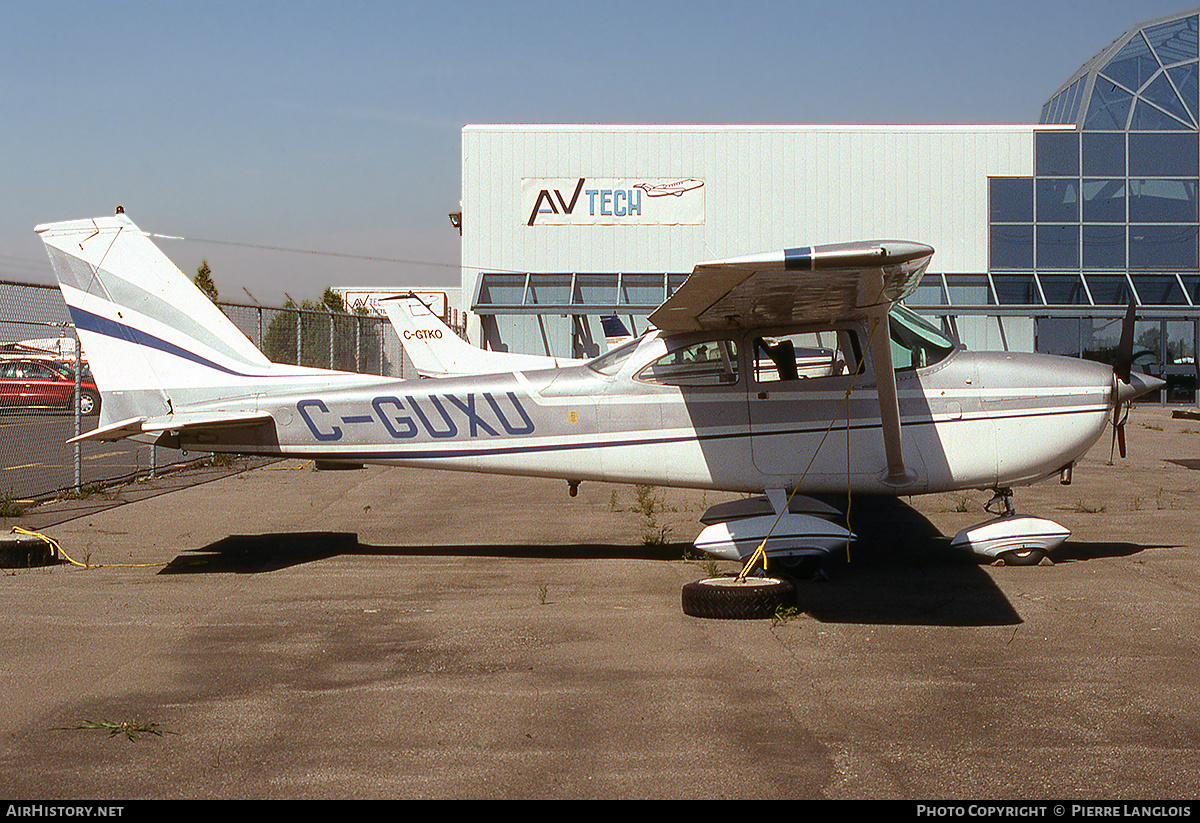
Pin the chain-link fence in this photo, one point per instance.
(46, 394)
(358, 342)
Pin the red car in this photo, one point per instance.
(28, 383)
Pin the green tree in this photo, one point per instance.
(204, 281)
(333, 301)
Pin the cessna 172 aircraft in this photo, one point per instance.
(793, 371)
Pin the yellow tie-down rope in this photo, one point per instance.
(303, 465)
(57, 549)
(761, 551)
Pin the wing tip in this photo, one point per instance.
(861, 254)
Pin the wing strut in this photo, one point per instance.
(889, 404)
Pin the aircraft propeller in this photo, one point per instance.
(1122, 368)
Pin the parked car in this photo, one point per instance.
(36, 383)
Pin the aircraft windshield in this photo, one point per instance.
(611, 362)
(915, 342)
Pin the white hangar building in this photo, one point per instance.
(1042, 232)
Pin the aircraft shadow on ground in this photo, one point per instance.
(901, 571)
(255, 553)
(1072, 551)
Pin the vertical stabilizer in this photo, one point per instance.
(153, 340)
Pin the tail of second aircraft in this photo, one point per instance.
(156, 345)
(436, 351)
(615, 332)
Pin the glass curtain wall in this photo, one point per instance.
(1111, 212)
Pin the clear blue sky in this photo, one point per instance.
(336, 126)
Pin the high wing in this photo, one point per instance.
(812, 284)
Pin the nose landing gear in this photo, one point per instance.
(1012, 539)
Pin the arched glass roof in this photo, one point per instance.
(1148, 79)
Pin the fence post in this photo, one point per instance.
(299, 319)
(78, 421)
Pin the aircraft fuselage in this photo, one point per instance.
(971, 420)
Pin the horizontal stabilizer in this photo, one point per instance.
(206, 420)
(113, 431)
(174, 422)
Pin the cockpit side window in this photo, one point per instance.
(799, 356)
(915, 343)
(710, 363)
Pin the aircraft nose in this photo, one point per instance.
(1138, 385)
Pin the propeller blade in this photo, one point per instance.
(1113, 446)
(1122, 367)
(1123, 363)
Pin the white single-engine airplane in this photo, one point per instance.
(793, 371)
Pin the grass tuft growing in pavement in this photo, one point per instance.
(131, 729)
(9, 506)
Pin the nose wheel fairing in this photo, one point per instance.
(1011, 538)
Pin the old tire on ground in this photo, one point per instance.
(1022, 557)
(24, 551)
(727, 598)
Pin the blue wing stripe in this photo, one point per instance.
(800, 258)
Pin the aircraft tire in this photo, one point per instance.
(1022, 557)
(727, 598)
(89, 403)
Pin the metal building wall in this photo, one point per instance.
(765, 187)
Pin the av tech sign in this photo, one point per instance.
(601, 201)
